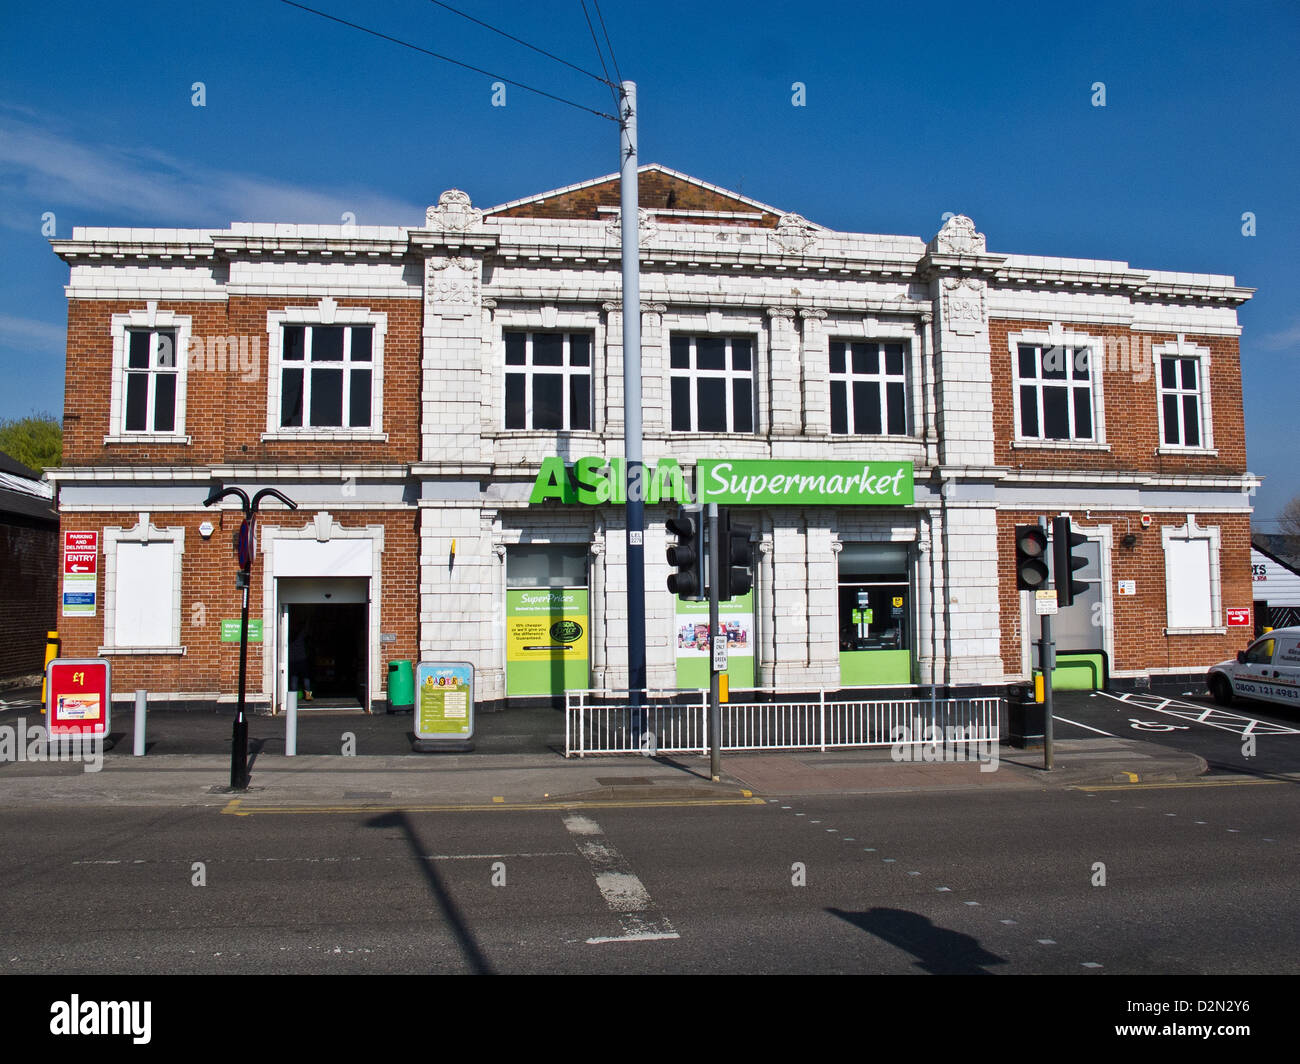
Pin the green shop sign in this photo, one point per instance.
(230, 630)
(753, 482)
(773, 483)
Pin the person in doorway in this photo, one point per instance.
(300, 663)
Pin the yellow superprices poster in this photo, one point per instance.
(546, 624)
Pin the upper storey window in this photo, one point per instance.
(548, 380)
(712, 383)
(868, 388)
(1054, 393)
(326, 373)
(150, 371)
(327, 376)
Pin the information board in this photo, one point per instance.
(444, 700)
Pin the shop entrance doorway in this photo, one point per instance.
(323, 645)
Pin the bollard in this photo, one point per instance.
(291, 725)
(141, 701)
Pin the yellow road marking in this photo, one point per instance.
(498, 799)
(1132, 777)
(522, 807)
(232, 806)
(1158, 786)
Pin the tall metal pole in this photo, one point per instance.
(635, 495)
(239, 737)
(715, 701)
(1047, 663)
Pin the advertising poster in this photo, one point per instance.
(546, 640)
(79, 693)
(735, 623)
(444, 700)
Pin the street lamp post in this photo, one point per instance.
(247, 548)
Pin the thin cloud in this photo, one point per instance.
(31, 334)
(53, 171)
(1279, 341)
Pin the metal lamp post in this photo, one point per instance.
(247, 547)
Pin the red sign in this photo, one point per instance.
(79, 692)
(80, 553)
(1238, 618)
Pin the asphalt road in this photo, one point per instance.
(1251, 738)
(1195, 878)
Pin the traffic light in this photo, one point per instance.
(735, 558)
(687, 557)
(1031, 557)
(1065, 562)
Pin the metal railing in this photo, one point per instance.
(674, 721)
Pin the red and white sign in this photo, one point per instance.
(80, 553)
(78, 696)
(1238, 618)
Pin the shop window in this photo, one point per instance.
(868, 388)
(1054, 392)
(548, 381)
(874, 602)
(712, 383)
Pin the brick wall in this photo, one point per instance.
(1139, 620)
(208, 595)
(226, 415)
(1131, 415)
(29, 567)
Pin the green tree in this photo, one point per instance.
(36, 441)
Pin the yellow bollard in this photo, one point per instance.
(51, 652)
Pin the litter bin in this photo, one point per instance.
(1026, 719)
(401, 687)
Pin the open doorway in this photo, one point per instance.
(323, 642)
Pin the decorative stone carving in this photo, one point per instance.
(794, 234)
(782, 319)
(327, 308)
(450, 286)
(647, 225)
(453, 214)
(963, 305)
(958, 237)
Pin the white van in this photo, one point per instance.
(1268, 670)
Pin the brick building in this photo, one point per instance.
(29, 565)
(445, 404)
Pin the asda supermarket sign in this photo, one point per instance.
(731, 482)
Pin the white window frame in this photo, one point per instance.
(1057, 337)
(155, 321)
(1186, 532)
(727, 374)
(1180, 348)
(566, 370)
(143, 532)
(882, 379)
(327, 313)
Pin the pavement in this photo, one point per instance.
(359, 760)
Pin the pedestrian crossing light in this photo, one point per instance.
(736, 558)
(1066, 561)
(1031, 557)
(687, 557)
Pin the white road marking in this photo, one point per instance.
(1087, 727)
(1197, 714)
(622, 890)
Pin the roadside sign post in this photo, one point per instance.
(246, 551)
(1047, 662)
(715, 703)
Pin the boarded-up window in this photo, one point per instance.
(145, 595)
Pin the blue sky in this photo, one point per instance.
(911, 112)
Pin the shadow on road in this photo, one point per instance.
(478, 963)
(937, 950)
